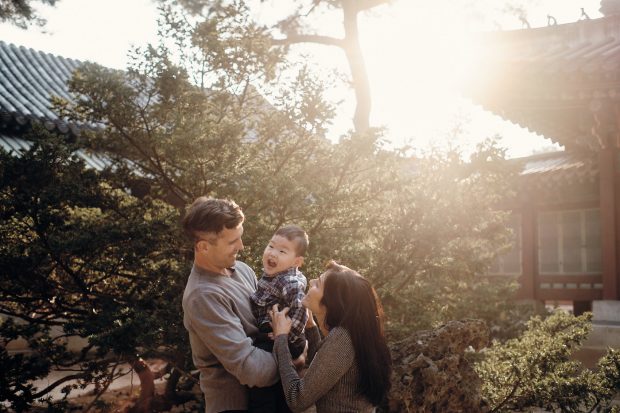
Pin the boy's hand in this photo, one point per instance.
(300, 362)
(280, 322)
(310, 322)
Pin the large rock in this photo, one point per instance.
(431, 374)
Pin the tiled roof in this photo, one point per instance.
(559, 81)
(561, 166)
(28, 79)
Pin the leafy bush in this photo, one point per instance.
(536, 369)
(81, 258)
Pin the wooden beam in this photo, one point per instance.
(566, 206)
(607, 173)
(566, 294)
(528, 255)
(570, 279)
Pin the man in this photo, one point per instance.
(216, 308)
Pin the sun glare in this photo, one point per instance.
(417, 54)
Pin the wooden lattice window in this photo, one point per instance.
(569, 242)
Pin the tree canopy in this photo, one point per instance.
(21, 12)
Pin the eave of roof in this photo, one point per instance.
(551, 79)
(15, 146)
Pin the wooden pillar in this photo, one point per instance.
(616, 281)
(607, 175)
(528, 255)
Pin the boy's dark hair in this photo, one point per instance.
(211, 215)
(297, 235)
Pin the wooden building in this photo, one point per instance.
(563, 82)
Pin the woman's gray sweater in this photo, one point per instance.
(332, 379)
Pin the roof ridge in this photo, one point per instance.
(56, 56)
(540, 29)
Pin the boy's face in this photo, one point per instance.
(280, 255)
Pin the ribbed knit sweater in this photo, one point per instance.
(219, 320)
(332, 379)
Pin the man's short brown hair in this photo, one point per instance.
(297, 235)
(211, 215)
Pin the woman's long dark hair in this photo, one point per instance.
(352, 303)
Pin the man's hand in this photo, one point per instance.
(280, 322)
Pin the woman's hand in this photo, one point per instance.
(280, 322)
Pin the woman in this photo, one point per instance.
(350, 368)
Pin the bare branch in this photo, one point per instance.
(309, 38)
(56, 384)
(508, 397)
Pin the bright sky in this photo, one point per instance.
(414, 50)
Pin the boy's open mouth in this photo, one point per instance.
(271, 263)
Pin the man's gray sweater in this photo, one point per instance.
(218, 317)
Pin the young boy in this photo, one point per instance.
(282, 283)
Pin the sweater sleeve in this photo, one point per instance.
(330, 363)
(221, 331)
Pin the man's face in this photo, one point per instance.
(280, 255)
(223, 252)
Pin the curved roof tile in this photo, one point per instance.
(19, 88)
(28, 81)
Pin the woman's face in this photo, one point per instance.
(313, 298)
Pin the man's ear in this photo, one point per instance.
(202, 245)
(299, 261)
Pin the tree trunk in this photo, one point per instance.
(144, 404)
(353, 51)
(359, 75)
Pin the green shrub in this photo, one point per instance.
(537, 370)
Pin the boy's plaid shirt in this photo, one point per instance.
(287, 289)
